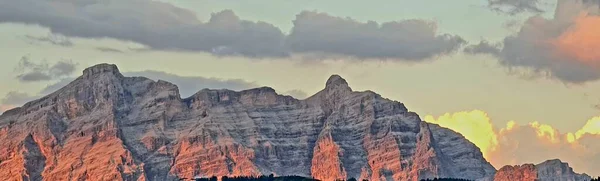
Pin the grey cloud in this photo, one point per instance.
(52, 39)
(511, 24)
(30, 71)
(483, 47)
(62, 68)
(16, 98)
(531, 49)
(109, 50)
(298, 94)
(189, 85)
(515, 6)
(50, 88)
(414, 40)
(162, 26)
(155, 24)
(34, 77)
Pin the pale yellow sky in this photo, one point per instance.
(452, 83)
(504, 112)
(448, 84)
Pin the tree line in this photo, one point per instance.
(261, 178)
(298, 178)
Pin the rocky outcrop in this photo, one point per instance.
(551, 170)
(555, 170)
(526, 172)
(104, 126)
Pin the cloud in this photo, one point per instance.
(532, 143)
(16, 98)
(511, 24)
(591, 127)
(581, 41)
(315, 32)
(513, 7)
(52, 39)
(109, 50)
(4, 108)
(564, 48)
(50, 88)
(13, 99)
(157, 25)
(162, 26)
(62, 68)
(474, 125)
(483, 47)
(34, 76)
(189, 85)
(30, 71)
(298, 94)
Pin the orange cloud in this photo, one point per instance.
(581, 42)
(591, 127)
(531, 143)
(474, 125)
(510, 125)
(565, 47)
(5, 108)
(545, 131)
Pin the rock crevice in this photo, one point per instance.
(104, 126)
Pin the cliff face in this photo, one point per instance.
(526, 172)
(551, 170)
(555, 170)
(104, 126)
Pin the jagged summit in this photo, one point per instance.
(104, 126)
(550, 170)
(553, 161)
(101, 69)
(260, 89)
(336, 80)
(336, 85)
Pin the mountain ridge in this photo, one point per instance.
(549, 170)
(140, 129)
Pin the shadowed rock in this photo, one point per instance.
(104, 126)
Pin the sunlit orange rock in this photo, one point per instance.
(525, 172)
(326, 163)
(105, 126)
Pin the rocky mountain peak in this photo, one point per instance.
(260, 90)
(550, 170)
(104, 126)
(101, 69)
(336, 80)
(553, 162)
(556, 169)
(337, 83)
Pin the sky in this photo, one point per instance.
(511, 75)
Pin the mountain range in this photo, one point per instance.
(105, 126)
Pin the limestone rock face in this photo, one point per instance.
(551, 170)
(526, 172)
(555, 170)
(104, 126)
